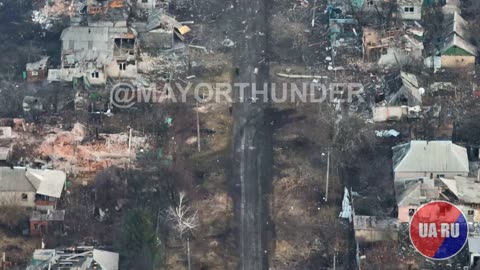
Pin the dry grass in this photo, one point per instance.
(18, 249)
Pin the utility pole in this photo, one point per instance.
(334, 261)
(198, 130)
(130, 145)
(328, 175)
(314, 11)
(188, 254)
(129, 140)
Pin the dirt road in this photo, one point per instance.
(252, 149)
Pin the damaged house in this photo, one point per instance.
(98, 45)
(401, 98)
(406, 9)
(31, 188)
(393, 47)
(369, 229)
(460, 190)
(97, 53)
(74, 258)
(413, 193)
(106, 13)
(402, 89)
(464, 191)
(108, 47)
(160, 31)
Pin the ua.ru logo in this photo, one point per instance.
(438, 230)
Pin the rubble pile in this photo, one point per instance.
(69, 151)
(53, 10)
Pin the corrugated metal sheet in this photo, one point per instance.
(14, 180)
(43, 182)
(84, 33)
(430, 156)
(48, 182)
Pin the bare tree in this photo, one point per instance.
(184, 221)
(12, 214)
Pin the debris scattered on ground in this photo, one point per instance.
(73, 152)
(387, 133)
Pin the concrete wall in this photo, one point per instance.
(102, 78)
(458, 61)
(375, 235)
(113, 70)
(403, 216)
(15, 198)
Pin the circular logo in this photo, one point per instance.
(438, 230)
(123, 95)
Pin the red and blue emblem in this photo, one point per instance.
(438, 230)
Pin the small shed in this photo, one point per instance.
(369, 229)
(38, 71)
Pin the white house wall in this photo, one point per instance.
(113, 70)
(15, 198)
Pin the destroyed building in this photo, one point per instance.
(393, 47)
(74, 258)
(369, 229)
(402, 9)
(402, 89)
(97, 53)
(160, 31)
(107, 13)
(37, 71)
(101, 44)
